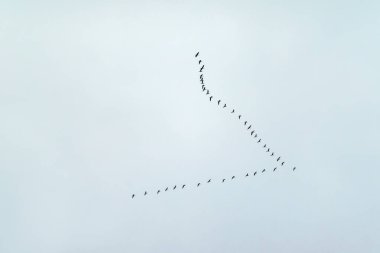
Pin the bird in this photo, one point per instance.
(210, 98)
(199, 62)
(233, 111)
(209, 181)
(265, 146)
(158, 191)
(145, 193)
(223, 180)
(196, 55)
(201, 76)
(183, 186)
(282, 163)
(198, 184)
(263, 171)
(232, 177)
(219, 101)
(224, 105)
(204, 88)
(202, 68)
(259, 141)
(166, 188)
(272, 154)
(268, 149)
(133, 195)
(274, 168)
(207, 92)
(174, 187)
(278, 159)
(252, 132)
(294, 168)
(245, 123)
(249, 127)
(255, 136)
(255, 173)
(239, 116)
(201, 81)
(247, 175)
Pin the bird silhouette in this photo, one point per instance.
(133, 195)
(158, 191)
(233, 111)
(209, 181)
(255, 136)
(239, 116)
(204, 88)
(183, 186)
(210, 98)
(199, 62)
(247, 175)
(278, 159)
(201, 81)
(174, 187)
(245, 123)
(282, 163)
(259, 141)
(198, 184)
(294, 168)
(207, 92)
(232, 177)
(252, 132)
(265, 145)
(263, 171)
(145, 193)
(202, 68)
(249, 127)
(275, 168)
(223, 180)
(255, 173)
(224, 105)
(272, 154)
(166, 188)
(219, 101)
(196, 55)
(201, 76)
(268, 149)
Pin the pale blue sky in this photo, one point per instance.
(101, 99)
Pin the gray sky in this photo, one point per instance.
(101, 99)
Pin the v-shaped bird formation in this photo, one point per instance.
(248, 126)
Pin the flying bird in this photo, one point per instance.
(232, 177)
(263, 171)
(252, 132)
(202, 68)
(204, 88)
(239, 116)
(259, 141)
(133, 195)
(209, 181)
(183, 186)
(199, 62)
(247, 175)
(272, 154)
(245, 123)
(198, 184)
(196, 55)
(275, 168)
(166, 188)
(255, 173)
(278, 159)
(145, 193)
(201, 76)
(282, 163)
(249, 127)
(233, 111)
(219, 101)
(265, 146)
(224, 105)
(268, 149)
(210, 98)
(294, 168)
(201, 81)
(207, 92)
(255, 135)
(223, 180)
(158, 191)
(174, 187)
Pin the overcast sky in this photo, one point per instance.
(101, 99)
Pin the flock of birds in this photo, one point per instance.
(247, 125)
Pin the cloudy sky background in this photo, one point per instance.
(101, 99)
